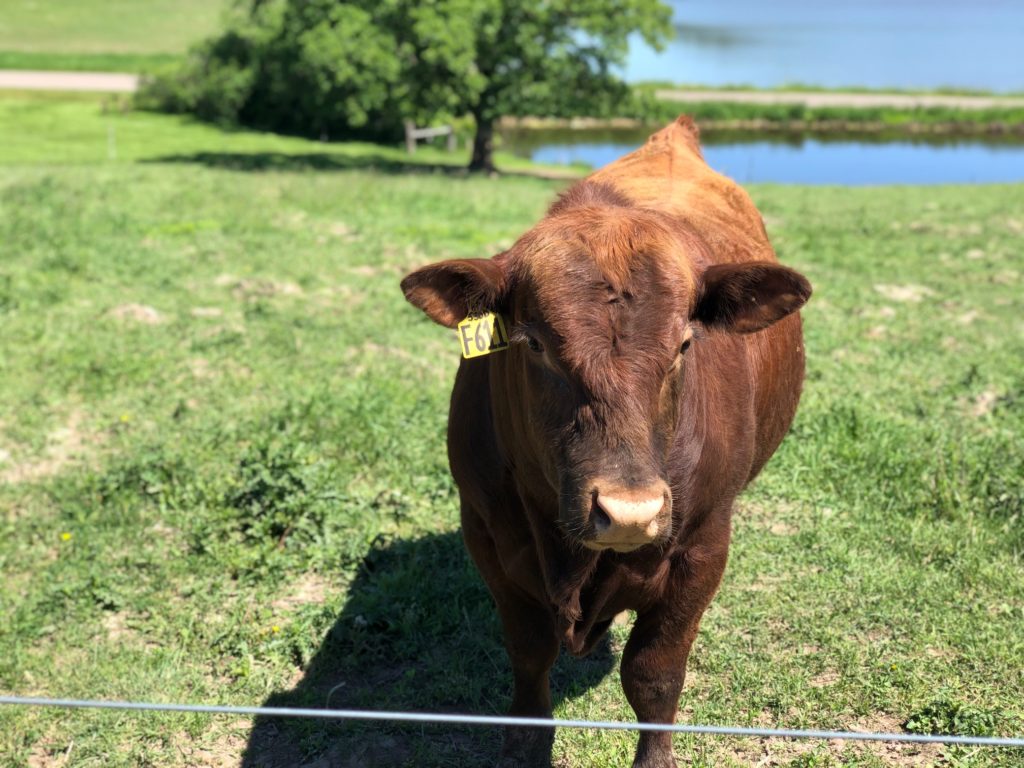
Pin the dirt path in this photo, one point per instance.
(102, 82)
(118, 82)
(835, 99)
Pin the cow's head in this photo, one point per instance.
(603, 300)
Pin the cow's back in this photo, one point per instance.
(669, 174)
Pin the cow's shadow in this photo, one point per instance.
(418, 632)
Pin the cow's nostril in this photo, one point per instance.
(598, 516)
(623, 516)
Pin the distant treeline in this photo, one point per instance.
(645, 107)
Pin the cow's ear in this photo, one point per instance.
(450, 291)
(747, 297)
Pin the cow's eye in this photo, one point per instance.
(534, 345)
(686, 346)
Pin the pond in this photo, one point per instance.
(798, 159)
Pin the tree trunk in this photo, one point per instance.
(483, 145)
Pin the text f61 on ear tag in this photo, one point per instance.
(482, 335)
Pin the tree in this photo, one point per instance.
(491, 58)
(332, 68)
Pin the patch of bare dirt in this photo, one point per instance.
(877, 636)
(781, 752)
(50, 755)
(340, 229)
(64, 446)
(292, 220)
(309, 588)
(223, 751)
(117, 625)
(434, 357)
(373, 270)
(984, 403)
(889, 752)
(137, 313)
(220, 331)
(200, 368)
(206, 312)
(779, 528)
(825, 679)
(777, 520)
(905, 293)
(257, 288)
(765, 582)
(1006, 277)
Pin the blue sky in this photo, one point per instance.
(875, 43)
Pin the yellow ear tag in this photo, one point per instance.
(482, 335)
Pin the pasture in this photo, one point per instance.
(116, 35)
(223, 475)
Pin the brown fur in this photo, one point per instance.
(602, 296)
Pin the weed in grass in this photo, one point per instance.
(943, 716)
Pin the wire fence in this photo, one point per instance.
(488, 720)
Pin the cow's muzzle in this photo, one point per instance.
(624, 518)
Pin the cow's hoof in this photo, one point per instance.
(656, 760)
(651, 754)
(527, 748)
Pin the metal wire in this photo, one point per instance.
(441, 719)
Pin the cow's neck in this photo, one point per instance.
(566, 568)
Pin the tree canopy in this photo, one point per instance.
(359, 68)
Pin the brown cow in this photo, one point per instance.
(656, 363)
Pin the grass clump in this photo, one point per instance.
(942, 716)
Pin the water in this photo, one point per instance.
(911, 44)
(798, 159)
(926, 44)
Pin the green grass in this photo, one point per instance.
(102, 34)
(87, 62)
(88, 128)
(224, 477)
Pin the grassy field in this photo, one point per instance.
(87, 128)
(103, 35)
(223, 476)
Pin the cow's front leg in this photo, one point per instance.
(532, 648)
(654, 661)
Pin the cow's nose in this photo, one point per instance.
(626, 518)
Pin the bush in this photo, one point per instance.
(306, 69)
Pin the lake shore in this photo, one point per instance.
(824, 112)
(876, 128)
